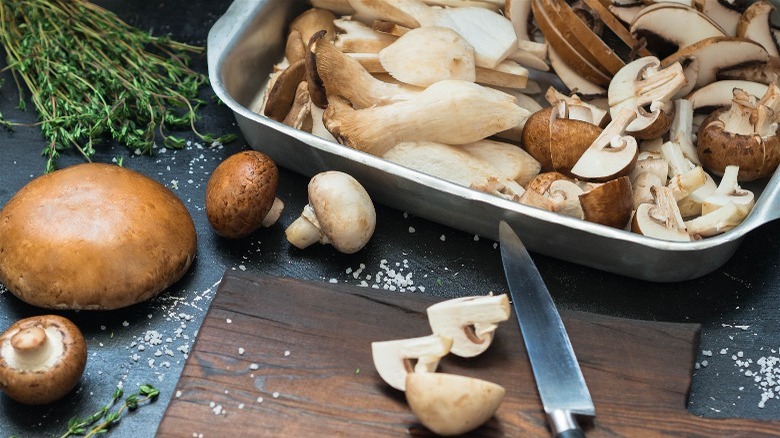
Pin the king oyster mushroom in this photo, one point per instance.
(339, 212)
(42, 358)
(744, 135)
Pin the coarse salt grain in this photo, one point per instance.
(241, 350)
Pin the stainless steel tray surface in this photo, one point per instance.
(245, 43)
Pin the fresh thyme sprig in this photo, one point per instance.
(102, 420)
(91, 76)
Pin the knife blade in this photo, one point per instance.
(558, 376)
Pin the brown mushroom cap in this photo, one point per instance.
(93, 236)
(240, 193)
(756, 157)
(610, 203)
(557, 145)
(41, 359)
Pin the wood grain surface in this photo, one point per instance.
(285, 357)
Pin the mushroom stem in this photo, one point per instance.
(29, 340)
(33, 349)
(303, 233)
(273, 214)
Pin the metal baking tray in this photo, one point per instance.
(245, 43)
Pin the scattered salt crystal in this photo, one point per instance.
(102, 327)
(229, 321)
(333, 280)
(178, 394)
(241, 350)
(707, 352)
(411, 230)
(125, 324)
(442, 238)
(259, 399)
(241, 406)
(275, 395)
(254, 366)
(286, 353)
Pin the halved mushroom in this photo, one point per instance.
(728, 191)
(612, 154)
(564, 197)
(556, 138)
(449, 111)
(756, 24)
(449, 404)
(744, 135)
(339, 212)
(610, 203)
(395, 359)
(470, 322)
(577, 108)
(647, 89)
(42, 358)
(660, 219)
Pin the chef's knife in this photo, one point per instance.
(558, 376)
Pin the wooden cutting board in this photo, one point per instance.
(284, 357)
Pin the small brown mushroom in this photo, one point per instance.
(609, 204)
(241, 194)
(41, 359)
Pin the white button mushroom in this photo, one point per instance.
(471, 322)
(41, 359)
(339, 212)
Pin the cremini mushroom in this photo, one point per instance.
(470, 322)
(339, 212)
(612, 154)
(450, 404)
(743, 135)
(42, 359)
(668, 27)
(395, 359)
(241, 194)
(610, 203)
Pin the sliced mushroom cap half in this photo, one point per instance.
(660, 219)
(756, 24)
(470, 322)
(612, 154)
(395, 359)
(610, 203)
(668, 27)
(728, 191)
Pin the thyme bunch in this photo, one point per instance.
(102, 420)
(92, 76)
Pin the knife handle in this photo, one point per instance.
(564, 425)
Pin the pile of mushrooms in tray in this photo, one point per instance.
(665, 108)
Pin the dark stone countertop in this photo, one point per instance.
(737, 305)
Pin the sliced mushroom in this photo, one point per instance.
(470, 322)
(720, 93)
(281, 95)
(756, 24)
(612, 154)
(42, 359)
(510, 160)
(685, 184)
(299, 116)
(724, 13)
(668, 27)
(744, 135)
(765, 73)
(312, 21)
(642, 185)
(339, 212)
(728, 191)
(408, 13)
(690, 206)
(426, 55)
(449, 404)
(705, 59)
(716, 222)
(573, 80)
(565, 198)
(660, 219)
(449, 111)
(395, 359)
(681, 131)
(647, 89)
(354, 36)
(578, 108)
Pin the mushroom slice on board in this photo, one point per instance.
(449, 112)
(744, 135)
(426, 55)
(344, 77)
(668, 27)
(705, 59)
(646, 88)
(395, 359)
(450, 404)
(612, 154)
(339, 212)
(728, 191)
(756, 24)
(610, 203)
(470, 322)
(660, 219)
(42, 358)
